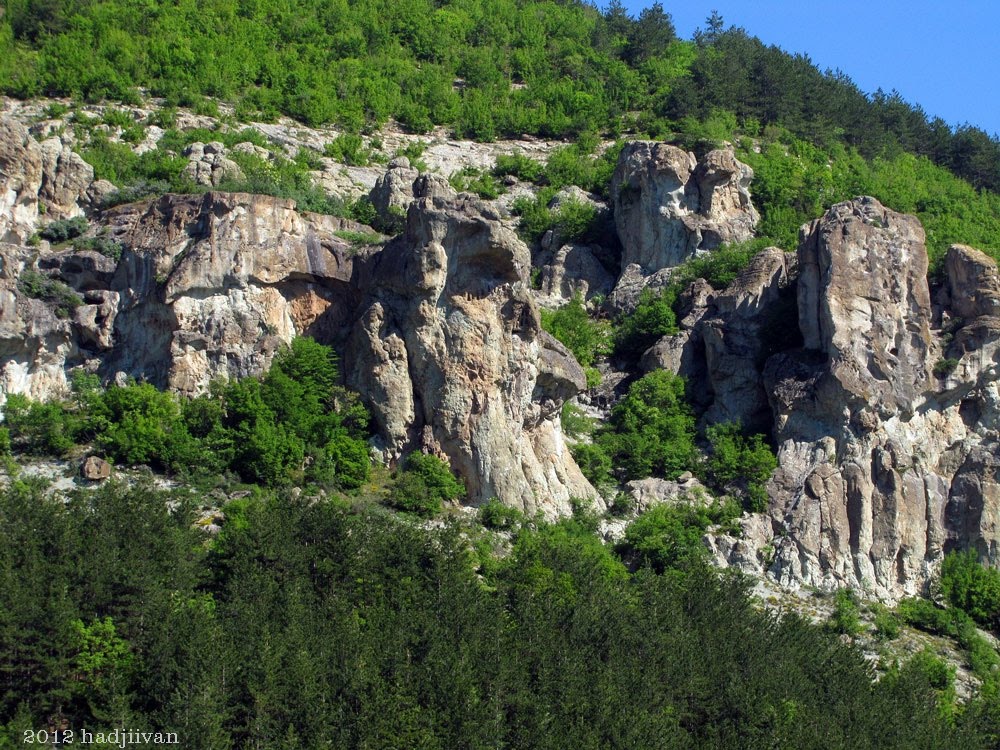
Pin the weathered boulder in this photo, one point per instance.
(208, 164)
(575, 269)
(95, 469)
(668, 206)
(393, 190)
(450, 356)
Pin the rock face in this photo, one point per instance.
(207, 286)
(449, 353)
(882, 468)
(667, 205)
(38, 180)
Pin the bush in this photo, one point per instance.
(499, 517)
(349, 149)
(64, 229)
(37, 427)
(522, 167)
(106, 247)
(424, 485)
(651, 431)
(39, 286)
(4, 441)
(573, 220)
(652, 319)
(594, 461)
(740, 463)
(845, 618)
(670, 536)
(572, 326)
(972, 587)
(945, 367)
(472, 180)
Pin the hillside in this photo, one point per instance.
(398, 379)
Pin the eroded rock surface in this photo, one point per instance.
(668, 206)
(883, 468)
(450, 355)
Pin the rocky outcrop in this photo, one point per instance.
(208, 164)
(38, 182)
(574, 270)
(744, 323)
(207, 286)
(882, 468)
(668, 206)
(449, 354)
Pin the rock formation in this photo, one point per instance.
(449, 353)
(38, 182)
(883, 467)
(668, 206)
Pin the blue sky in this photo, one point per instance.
(943, 55)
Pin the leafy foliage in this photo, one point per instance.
(652, 319)
(972, 587)
(652, 429)
(424, 485)
(571, 324)
(294, 424)
(741, 463)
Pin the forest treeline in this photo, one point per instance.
(487, 68)
(307, 623)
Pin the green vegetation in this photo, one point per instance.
(424, 485)
(64, 229)
(972, 588)
(652, 319)
(293, 425)
(846, 617)
(652, 430)
(304, 618)
(39, 286)
(586, 338)
(740, 464)
(472, 180)
(572, 220)
(669, 536)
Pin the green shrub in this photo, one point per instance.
(574, 422)
(4, 441)
(499, 517)
(64, 229)
(972, 587)
(945, 367)
(43, 428)
(39, 286)
(651, 431)
(594, 461)
(887, 623)
(740, 463)
(845, 618)
(424, 485)
(670, 536)
(349, 149)
(522, 167)
(572, 326)
(927, 616)
(573, 220)
(652, 319)
(103, 245)
(472, 180)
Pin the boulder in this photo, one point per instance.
(95, 469)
